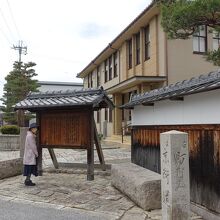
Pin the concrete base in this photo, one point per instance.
(10, 168)
(204, 213)
(142, 186)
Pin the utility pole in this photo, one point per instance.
(21, 49)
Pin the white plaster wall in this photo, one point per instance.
(203, 108)
(44, 88)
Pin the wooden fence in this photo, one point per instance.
(204, 151)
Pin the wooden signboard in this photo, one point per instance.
(65, 129)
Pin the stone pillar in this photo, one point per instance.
(175, 176)
(23, 133)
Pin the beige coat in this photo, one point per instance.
(30, 151)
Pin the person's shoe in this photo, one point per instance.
(29, 183)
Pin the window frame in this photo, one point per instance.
(110, 112)
(216, 38)
(147, 43)
(129, 46)
(138, 48)
(110, 68)
(98, 76)
(199, 42)
(115, 64)
(106, 114)
(106, 70)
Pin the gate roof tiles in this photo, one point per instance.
(97, 98)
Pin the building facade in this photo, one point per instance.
(45, 86)
(140, 59)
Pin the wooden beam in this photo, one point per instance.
(98, 147)
(177, 98)
(148, 104)
(90, 150)
(39, 147)
(53, 157)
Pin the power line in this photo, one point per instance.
(6, 23)
(5, 36)
(13, 19)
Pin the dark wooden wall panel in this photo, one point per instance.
(65, 129)
(204, 151)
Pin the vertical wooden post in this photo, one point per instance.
(23, 134)
(39, 147)
(53, 157)
(98, 147)
(90, 149)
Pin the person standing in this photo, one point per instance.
(30, 155)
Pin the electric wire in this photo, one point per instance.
(13, 19)
(5, 36)
(6, 23)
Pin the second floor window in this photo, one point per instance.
(90, 83)
(216, 40)
(98, 76)
(115, 56)
(130, 54)
(110, 67)
(106, 70)
(137, 38)
(147, 43)
(200, 40)
(91, 79)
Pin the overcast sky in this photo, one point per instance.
(62, 36)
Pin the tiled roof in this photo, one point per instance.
(69, 98)
(198, 84)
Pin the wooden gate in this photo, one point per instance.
(204, 151)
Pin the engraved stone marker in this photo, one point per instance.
(175, 188)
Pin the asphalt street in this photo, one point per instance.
(10, 210)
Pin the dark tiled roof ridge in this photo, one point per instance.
(65, 93)
(213, 76)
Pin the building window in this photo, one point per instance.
(110, 115)
(130, 54)
(115, 64)
(88, 80)
(106, 70)
(98, 76)
(137, 38)
(123, 102)
(110, 67)
(98, 116)
(91, 79)
(216, 40)
(147, 43)
(200, 40)
(106, 114)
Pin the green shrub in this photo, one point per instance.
(10, 129)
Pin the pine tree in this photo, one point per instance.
(181, 19)
(19, 82)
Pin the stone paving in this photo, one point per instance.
(68, 189)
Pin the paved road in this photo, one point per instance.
(10, 210)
